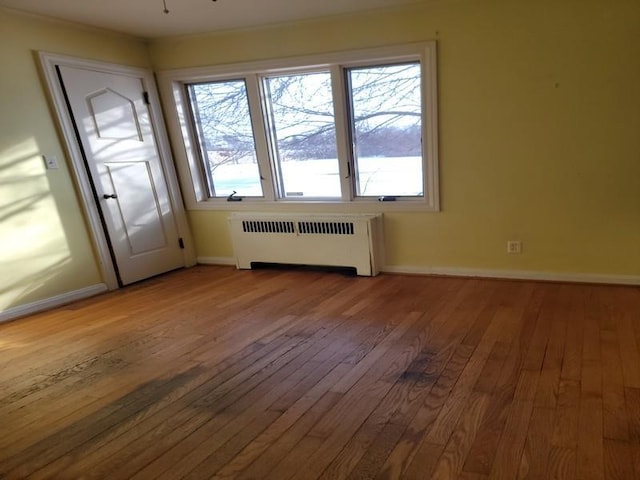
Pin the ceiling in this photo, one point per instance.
(145, 18)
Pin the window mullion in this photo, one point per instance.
(271, 138)
(430, 126)
(343, 136)
(260, 136)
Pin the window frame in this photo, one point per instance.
(209, 182)
(352, 159)
(267, 111)
(173, 86)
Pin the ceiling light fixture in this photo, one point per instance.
(166, 10)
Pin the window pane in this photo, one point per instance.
(386, 124)
(303, 135)
(223, 124)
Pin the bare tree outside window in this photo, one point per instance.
(223, 123)
(386, 129)
(385, 118)
(303, 134)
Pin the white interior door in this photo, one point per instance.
(113, 124)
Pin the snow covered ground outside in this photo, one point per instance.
(320, 178)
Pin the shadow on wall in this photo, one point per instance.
(38, 254)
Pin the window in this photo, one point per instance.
(340, 129)
(386, 128)
(303, 135)
(220, 112)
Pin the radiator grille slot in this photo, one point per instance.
(263, 226)
(326, 228)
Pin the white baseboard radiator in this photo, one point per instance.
(350, 240)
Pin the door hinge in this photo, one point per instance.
(181, 243)
(145, 97)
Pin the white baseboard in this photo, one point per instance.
(52, 302)
(216, 260)
(516, 274)
(482, 273)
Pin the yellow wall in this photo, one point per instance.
(539, 136)
(44, 245)
(539, 128)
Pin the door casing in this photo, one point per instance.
(48, 63)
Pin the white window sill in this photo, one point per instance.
(358, 206)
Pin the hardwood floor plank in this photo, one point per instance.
(482, 453)
(565, 428)
(284, 424)
(241, 391)
(562, 463)
(83, 431)
(408, 445)
(382, 348)
(164, 414)
(211, 372)
(635, 452)
(375, 354)
(629, 349)
(572, 358)
(134, 420)
(548, 384)
(615, 423)
(422, 464)
(276, 453)
(215, 461)
(618, 460)
(253, 409)
(509, 450)
(451, 461)
(258, 448)
(368, 449)
(346, 417)
(299, 399)
(533, 465)
(453, 407)
(524, 349)
(590, 452)
(471, 476)
(488, 377)
(632, 402)
(423, 420)
(374, 439)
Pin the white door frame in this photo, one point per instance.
(48, 63)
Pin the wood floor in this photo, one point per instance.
(214, 373)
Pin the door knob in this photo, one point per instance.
(113, 195)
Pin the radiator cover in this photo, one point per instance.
(351, 240)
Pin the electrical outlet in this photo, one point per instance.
(514, 246)
(51, 161)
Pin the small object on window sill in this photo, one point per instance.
(231, 197)
(386, 198)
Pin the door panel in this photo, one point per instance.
(115, 117)
(138, 207)
(117, 137)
